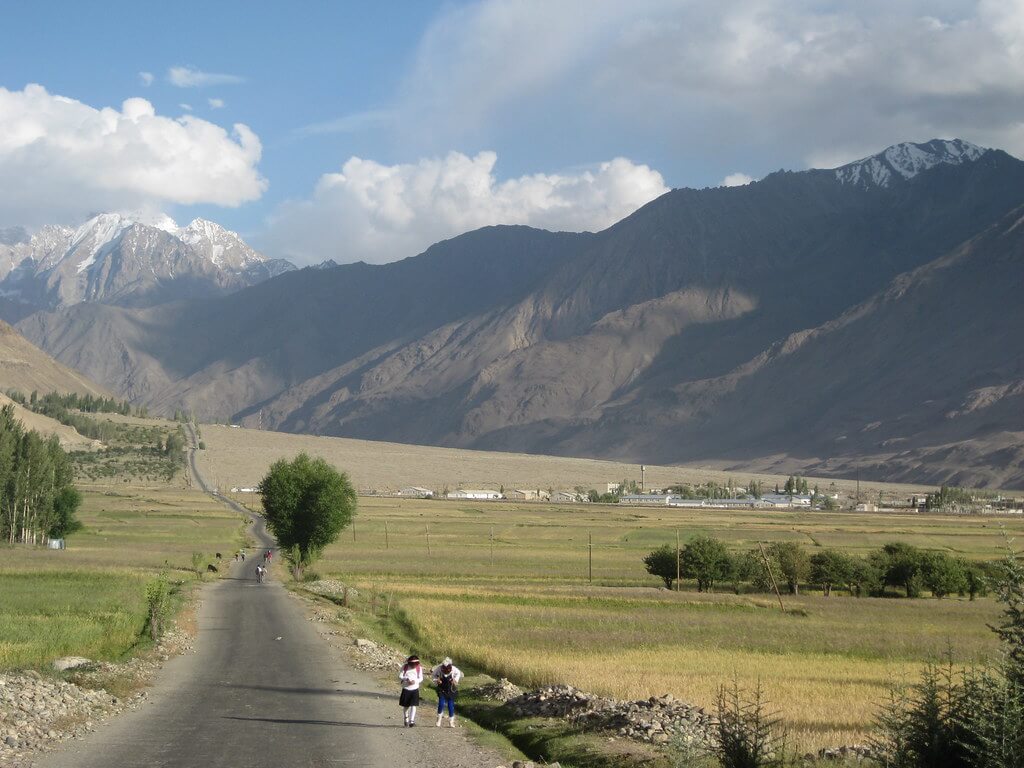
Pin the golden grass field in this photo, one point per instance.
(88, 599)
(529, 612)
(238, 457)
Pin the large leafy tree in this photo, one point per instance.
(794, 563)
(830, 568)
(307, 504)
(662, 563)
(706, 560)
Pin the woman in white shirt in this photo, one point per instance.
(411, 678)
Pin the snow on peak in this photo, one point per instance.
(90, 238)
(221, 246)
(906, 160)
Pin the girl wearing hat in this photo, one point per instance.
(446, 677)
(411, 677)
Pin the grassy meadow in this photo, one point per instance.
(89, 599)
(519, 602)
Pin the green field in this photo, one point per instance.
(89, 599)
(507, 587)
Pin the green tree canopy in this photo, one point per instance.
(830, 568)
(662, 563)
(942, 574)
(900, 566)
(706, 560)
(793, 562)
(307, 504)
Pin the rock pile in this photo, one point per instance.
(371, 655)
(500, 690)
(656, 720)
(37, 712)
(330, 588)
(858, 752)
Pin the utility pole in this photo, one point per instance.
(426, 530)
(643, 472)
(677, 560)
(386, 543)
(771, 575)
(590, 557)
(492, 545)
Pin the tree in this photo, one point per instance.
(706, 560)
(864, 577)
(793, 562)
(307, 503)
(830, 568)
(899, 565)
(662, 563)
(942, 574)
(744, 567)
(65, 505)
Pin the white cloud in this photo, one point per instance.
(186, 107)
(146, 78)
(787, 78)
(190, 77)
(215, 103)
(61, 159)
(736, 180)
(352, 123)
(381, 213)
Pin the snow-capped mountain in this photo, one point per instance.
(907, 160)
(130, 260)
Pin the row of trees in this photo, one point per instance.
(72, 401)
(37, 499)
(788, 565)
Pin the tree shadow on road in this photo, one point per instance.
(336, 723)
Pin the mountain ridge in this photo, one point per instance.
(633, 343)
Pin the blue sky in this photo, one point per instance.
(372, 129)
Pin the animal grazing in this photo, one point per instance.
(211, 568)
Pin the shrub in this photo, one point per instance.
(158, 594)
(662, 563)
(749, 736)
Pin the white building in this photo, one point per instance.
(526, 494)
(416, 492)
(565, 497)
(785, 500)
(647, 498)
(463, 493)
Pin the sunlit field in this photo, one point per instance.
(519, 603)
(89, 599)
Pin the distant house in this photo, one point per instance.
(613, 487)
(786, 500)
(474, 494)
(866, 506)
(416, 492)
(525, 494)
(643, 499)
(565, 497)
(676, 501)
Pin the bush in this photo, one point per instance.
(749, 736)
(158, 599)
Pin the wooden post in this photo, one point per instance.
(590, 557)
(387, 544)
(677, 560)
(426, 529)
(353, 530)
(771, 575)
(492, 545)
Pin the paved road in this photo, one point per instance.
(261, 690)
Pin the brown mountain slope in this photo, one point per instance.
(25, 368)
(44, 425)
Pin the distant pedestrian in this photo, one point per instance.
(446, 677)
(261, 573)
(411, 678)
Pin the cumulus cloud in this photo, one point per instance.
(190, 77)
(146, 78)
(799, 78)
(215, 103)
(736, 180)
(379, 213)
(186, 107)
(61, 159)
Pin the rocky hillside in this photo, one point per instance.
(25, 368)
(832, 319)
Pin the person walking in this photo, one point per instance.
(446, 677)
(411, 677)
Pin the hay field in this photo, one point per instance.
(88, 599)
(238, 457)
(528, 611)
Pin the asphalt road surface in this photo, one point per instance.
(264, 689)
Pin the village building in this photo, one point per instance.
(416, 492)
(643, 499)
(565, 497)
(525, 494)
(476, 495)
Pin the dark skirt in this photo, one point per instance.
(409, 698)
